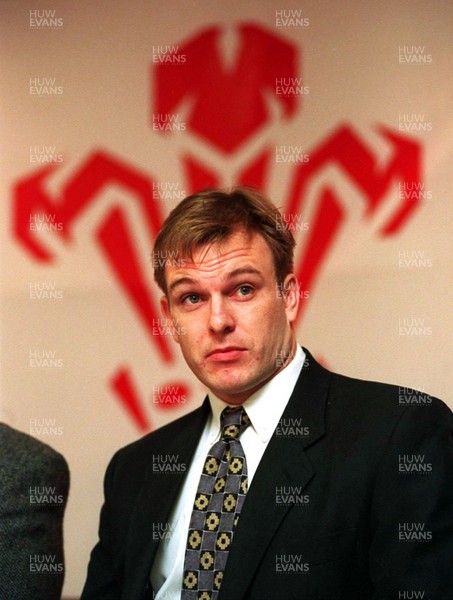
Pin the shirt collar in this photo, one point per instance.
(266, 405)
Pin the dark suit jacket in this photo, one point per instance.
(361, 527)
(34, 484)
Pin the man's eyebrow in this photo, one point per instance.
(230, 275)
(180, 281)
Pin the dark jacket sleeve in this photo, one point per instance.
(103, 578)
(411, 551)
(33, 494)
(117, 569)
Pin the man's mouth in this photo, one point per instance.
(228, 353)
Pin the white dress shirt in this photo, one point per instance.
(265, 408)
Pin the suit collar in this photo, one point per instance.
(266, 406)
(310, 398)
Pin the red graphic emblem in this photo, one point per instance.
(226, 109)
(228, 104)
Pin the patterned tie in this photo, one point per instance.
(218, 502)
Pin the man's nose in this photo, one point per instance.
(221, 318)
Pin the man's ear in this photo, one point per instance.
(165, 307)
(291, 296)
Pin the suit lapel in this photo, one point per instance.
(155, 501)
(284, 463)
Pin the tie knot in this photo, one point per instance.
(233, 421)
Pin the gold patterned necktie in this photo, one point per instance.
(218, 503)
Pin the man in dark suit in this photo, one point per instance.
(332, 488)
(34, 491)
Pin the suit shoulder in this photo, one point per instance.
(350, 395)
(20, 448)
(380, 398)
(156, 439)
(24, 458)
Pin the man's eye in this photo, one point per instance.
(191, 299)
(245, 290)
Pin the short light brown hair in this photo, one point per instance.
(213, 215)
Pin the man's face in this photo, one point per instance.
(233, 326)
